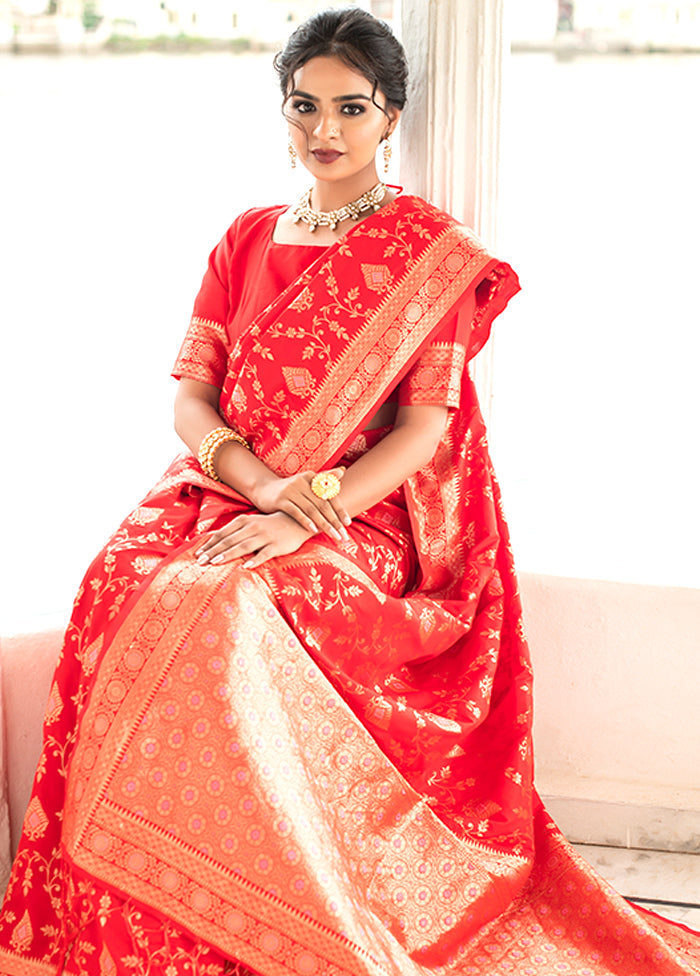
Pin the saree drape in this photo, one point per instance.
(323, 766)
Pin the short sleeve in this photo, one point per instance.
(436, 376)
(204, 352)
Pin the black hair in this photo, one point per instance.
(360, 40)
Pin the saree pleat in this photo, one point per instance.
(322, 766)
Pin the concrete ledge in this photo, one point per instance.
(630, 825)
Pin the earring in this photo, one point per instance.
(387, 153)
(292, 154)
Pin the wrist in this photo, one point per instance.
(258, 491)
(211, 446)
(286, 520)
(227, 459)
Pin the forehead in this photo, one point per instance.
(329, 77)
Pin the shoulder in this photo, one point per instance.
(254, 222)
(432, 222)
(250, 229)
(426, 212)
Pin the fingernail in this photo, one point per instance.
(247, 565)
(219, 558)
(347, 520)
(203, 559)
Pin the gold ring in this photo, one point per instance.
(325, 485)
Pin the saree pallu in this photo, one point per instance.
(322, 766)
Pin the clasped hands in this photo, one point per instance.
(288, 514)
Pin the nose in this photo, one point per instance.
(327, 127)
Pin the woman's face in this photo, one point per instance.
(334, 124)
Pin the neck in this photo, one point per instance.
(331, 196)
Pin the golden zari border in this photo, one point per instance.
(437, 377)
(203, 353)
(13, 965)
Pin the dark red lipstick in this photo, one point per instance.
(326, 155)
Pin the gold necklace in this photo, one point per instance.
(371, 200)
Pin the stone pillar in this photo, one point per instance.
(451, 126)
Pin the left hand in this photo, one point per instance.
(257, 537)
(295, 497)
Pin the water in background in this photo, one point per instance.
(119, 174)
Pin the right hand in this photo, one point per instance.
(255, 538)
(294, 497)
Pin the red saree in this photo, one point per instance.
(323, 766)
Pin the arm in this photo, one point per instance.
(197, 413)
(405, 449)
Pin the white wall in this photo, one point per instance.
(617, 727)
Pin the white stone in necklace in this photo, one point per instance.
(371, 200)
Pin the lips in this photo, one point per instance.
(326, 155)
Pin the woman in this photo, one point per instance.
(292, 715)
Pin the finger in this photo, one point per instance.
(314, 515)
(231, 540)
(214, 537)
(332, 509)
(236, 552)
(205, 551)
(322, 514)
(263, 555)
(327, 508)
(243, 548)
(342, 515)
(295, 511)
(333, 513)
(208, 544)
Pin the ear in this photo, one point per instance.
(394, 115)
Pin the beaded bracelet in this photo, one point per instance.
(211, 444)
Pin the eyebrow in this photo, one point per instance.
(339, 98)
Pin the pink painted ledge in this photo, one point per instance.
(28, 662)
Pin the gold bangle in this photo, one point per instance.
(211, 444)
(325, 485)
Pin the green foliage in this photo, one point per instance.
(91, 18)
(177, 44)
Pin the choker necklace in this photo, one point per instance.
(370, 200)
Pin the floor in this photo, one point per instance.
(668, 884)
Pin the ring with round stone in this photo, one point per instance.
(325, 485)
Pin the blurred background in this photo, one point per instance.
(133, 131)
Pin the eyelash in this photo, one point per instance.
(305, 108)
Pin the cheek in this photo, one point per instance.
(367, 138)
(298, 135)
